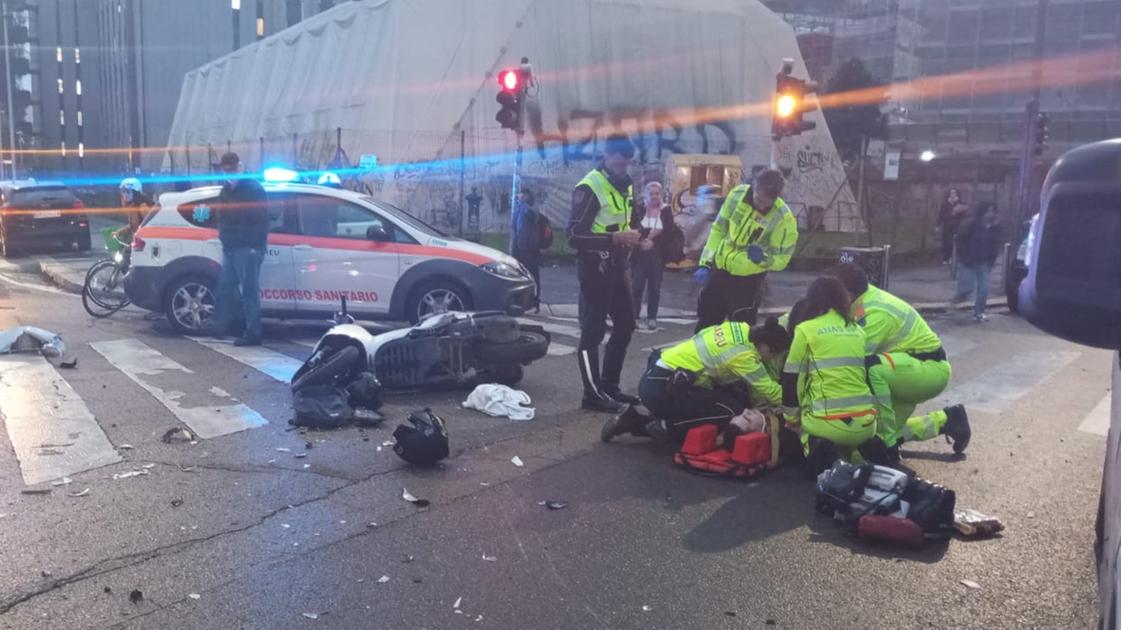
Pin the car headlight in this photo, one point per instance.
(502, 270)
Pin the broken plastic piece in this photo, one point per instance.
(283, 449)
(556, 505)
(517, 461)
(194, 596)
(136, 596)
(176, 502)
(78, 494)
(69, 365)
(65, 481)
(383, 579)
(490, 558)
(970, 584)
(178, 434)
(311, 615)
(458, 601)
(131, 473)
(35, 491)
(973, 524)
(411, 499)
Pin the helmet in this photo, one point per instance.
(130, 183)
(425, 442)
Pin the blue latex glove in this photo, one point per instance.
(755, 253)
(700, 276)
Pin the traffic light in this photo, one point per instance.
(511, 96)
(790, 103)
(1042, 132)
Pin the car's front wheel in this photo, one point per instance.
(433, 298)
(189, 304)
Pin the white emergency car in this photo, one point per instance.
(324, 243)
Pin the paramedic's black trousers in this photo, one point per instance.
(731, 298)
(688, 406)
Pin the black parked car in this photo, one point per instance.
(1016, 266)
(41, 215)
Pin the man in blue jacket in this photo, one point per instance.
(243, 229)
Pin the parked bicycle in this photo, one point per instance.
(103, 292)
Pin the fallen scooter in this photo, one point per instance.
(445, 350)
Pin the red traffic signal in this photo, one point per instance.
(510, 79)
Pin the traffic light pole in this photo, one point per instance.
(1024, 204)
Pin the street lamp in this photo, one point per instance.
(927, 156)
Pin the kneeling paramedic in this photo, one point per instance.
(700, 380)
(906, 366)
(599, 230)
(824, 384)
(754, 233)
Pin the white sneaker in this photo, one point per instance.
(980, 318)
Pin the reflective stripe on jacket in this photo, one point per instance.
(723, 355)
(739, 225)
(614, 205)
(892, 325)
(827, 354)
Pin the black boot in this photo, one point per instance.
(821, 456)
(657, 431)
(957, 429)
(876, 452)
(630, 421)
(595, 399)
(623, 397)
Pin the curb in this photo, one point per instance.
(59, 275)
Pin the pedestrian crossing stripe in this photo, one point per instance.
(280, 367)
(52, 431)
(1002, 385)
(1098, 420)
(208, 411)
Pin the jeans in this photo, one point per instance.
(646, 275)
(975, 278)
(239, 285)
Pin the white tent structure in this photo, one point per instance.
(413, 82)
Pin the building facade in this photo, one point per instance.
(95, 83)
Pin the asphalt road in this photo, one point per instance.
(236, 531)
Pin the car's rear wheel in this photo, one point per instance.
(433, 298)
(528, 347)
(189, 304)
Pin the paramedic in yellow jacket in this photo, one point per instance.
(754, 233)
(708, 379)
(906, 366)
(824, 384)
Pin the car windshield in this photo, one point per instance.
(406, 218)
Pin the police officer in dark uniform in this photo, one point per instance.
(600, 232)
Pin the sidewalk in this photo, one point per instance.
(928, 288)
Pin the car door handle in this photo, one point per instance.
(302, 248)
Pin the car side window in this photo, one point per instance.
(334, 218)
(200, 213)
(282, 210)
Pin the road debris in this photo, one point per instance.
(177, 435)
(973, 524)
(136, 596)
(76, 495)
(517, 461)
(126, 447)
(132, 473)
(500, 400)
(312, 616)
(383, 579)
(35, 491)
(69, 365)
(300, 455)
(490, 558)
(970, 584)
(646, 608)
(31, 339)
(194, 596)
(176, 502)
(65, 481)
(553, 505)
(148, 465)
(388, 443)
(411, 499)
(458, 601)
(407, 559)
(283, 449)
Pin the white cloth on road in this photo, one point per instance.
(500, 400)
(31, 339)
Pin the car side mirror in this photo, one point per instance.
(1073, 287)
(377, 233)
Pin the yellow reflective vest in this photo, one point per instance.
(614, 205)
(739, 225)
(827, 354)
(723, 354)
(892, 325)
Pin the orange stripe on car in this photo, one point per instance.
(321, 242)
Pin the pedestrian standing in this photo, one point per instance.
(473, 201)
(600, 231)
(527, 240)
(754, 233)
(948, 217)
(243, 229)
(661, 243)
(978, 242)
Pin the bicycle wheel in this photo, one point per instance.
(103, 291)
